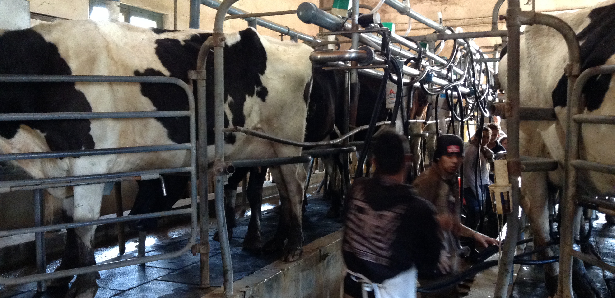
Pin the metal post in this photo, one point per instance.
(568, 208)
(354, 73)
(39, 217)
(195, 14)
(119, 212)
(141, 246)
(203, 179)
(219, 143)
(505, 268)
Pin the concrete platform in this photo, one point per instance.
(316, 274)
(179, 277)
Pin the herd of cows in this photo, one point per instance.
(270, 86)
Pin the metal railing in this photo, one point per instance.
(573, 164)
(39, 184)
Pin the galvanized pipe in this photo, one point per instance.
(90, 115)
(106, 266)
(351, 101)
(505, 267)
(203, 161)
(39, 218)
(495, 15)
(592, 166)
(538, 164)
(195, 14)
(361, 56)
(219, 42)
(92, 152)
(101, 178)
(328, 151)
(119, 212)
(405, 70)
(263, 23)
(260, 14)
(311, 14)
(568, 208)
(270, 162)
(594, 119)
(87, 179)
(102, 221)
(463, 35)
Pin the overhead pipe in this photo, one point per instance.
(309, 13)
(462, 35)
(263, 23)
(260, 14)
(405, 10)
(195, 14)
(364, 55)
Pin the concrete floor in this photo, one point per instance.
(179, 277)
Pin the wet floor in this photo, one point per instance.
(530, 279)
(180, 277)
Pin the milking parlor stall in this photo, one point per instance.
(203, 148)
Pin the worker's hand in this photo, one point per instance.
(445, 264)
(487, 153)
(485, 240)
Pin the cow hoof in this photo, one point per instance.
(551, 284)
(273, 245)
(82, 293)
(252, 244)
(333, 213)
(292, 254)
(60, 283)
(85, 286)
(217, 235)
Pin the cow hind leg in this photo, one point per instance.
(289, 179)
(535, 203)
(86, 207)
(253, 240)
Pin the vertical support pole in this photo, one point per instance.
(219, 42)
(141, 246)
(203, 174)
(351, 94)
(119, 212)
(354, 73)
(505, 270)
(174, 14)
(39, 217)
(195, 14)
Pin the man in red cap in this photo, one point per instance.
(440, 185)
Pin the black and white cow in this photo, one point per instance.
(266, 87)
(543, 57)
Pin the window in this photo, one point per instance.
(134, 15)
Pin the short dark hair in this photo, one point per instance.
(493, 126)
(389, 149)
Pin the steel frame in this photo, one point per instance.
(39, 184)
